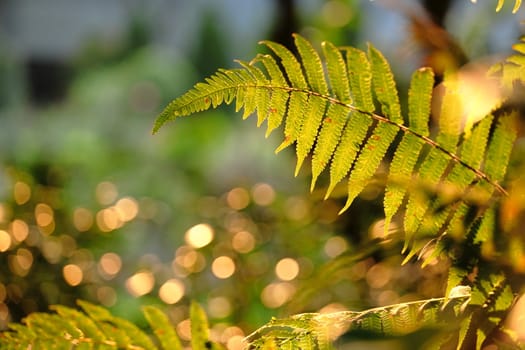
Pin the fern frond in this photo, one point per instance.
(410, 147)
(315, 107)
(491, 297)
(124, 332)
(512, 69)
(163, 329)
(279, 98)
(499, 150)
(369, 159)
(329, 111)
(199, 327)
(384, 86)
(459, 178)
(383, 134)
(392, 320)
(435, 163)
(314, 114)
(515, 9)
(354, 134)
(328, 139)
(360, 78)
(312, 65)
(97, 328)
(298, 99)
(259, 98)
(337, 73)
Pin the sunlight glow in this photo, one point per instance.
(219, 307)
(24, 258)
(82, 219)
(236, 342)
(378, 275)
(238, 198)
(140, 283)
(263, 194)
(107, 296)
(336, 13)
(109, 265)
(19, 230)
(21, 263)
(4, 312)
(189, 260)
(108, 219)
(275, 295)
(297, 208)
(106, 193)
(243, 242)
(127, 208)
(199, 236)
(43, 215)
(287, 269)
(223, 267)
(52, 250)
(516, 319)
(172, 291)
(184, 329)
(335, 246)
(21, 192)
(3, 212)
(73, 274)
(333, 307)
(5, 241)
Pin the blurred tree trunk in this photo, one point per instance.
(286, 23)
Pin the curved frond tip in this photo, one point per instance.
(327, 102)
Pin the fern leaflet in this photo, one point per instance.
(392, 320)
(97, 328)
(411, 146)
(329, 112)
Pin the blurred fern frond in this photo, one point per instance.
(97, 328)
(345, 112)
(388, 321)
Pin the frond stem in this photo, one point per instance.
(404, 128)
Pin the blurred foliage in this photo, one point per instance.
(92, 207)
(96, 328)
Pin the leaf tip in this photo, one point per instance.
(345, 208)
(312, 185)
(298, 167)
(329, 190)
(287, 142)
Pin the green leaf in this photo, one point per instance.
(330, 113)
(314, 113)
(500, 147)
(360, 78)
(354, 134)
(122, 331)
(329, 136)
(260, 98)
(312, 65)
(85, 325)
(162, 328)
(279, 98)
(410, 147)
(294, 120)
(200, 336)
(337, 73)
(384, 85)
(369, 159)
(391, 320)
(515, 9)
